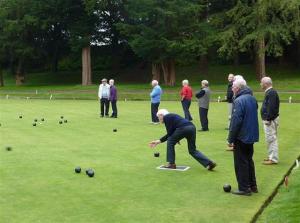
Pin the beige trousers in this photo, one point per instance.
(270, 128)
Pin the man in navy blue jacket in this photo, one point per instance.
(243, 133)
(178, 128)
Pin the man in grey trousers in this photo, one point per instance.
(203, 101)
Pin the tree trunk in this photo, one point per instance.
(86, 66)
(1, 78)
(20, 76)
(168, 67)
(260, 66)
(156, 71)
(236, 59)
(172, 75)
(203, 64)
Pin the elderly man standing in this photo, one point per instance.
(186, 95)
(270, 117)
(177, 129)
(203, 101)
(155, 96)
(103, 94)
(229, 97)
(243, 133)
(113, 98)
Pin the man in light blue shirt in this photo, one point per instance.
(155, 96)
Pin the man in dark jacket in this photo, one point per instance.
(229, 97)
(270, 116)
(177, 129)
(243, 133)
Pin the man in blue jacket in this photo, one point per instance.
(155, 96)
(243, 133)
(178, 128)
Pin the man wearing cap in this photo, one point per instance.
(103, 94)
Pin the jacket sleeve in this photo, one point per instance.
(200, 94)
(236, 121)
(100, 91)
(154, 92)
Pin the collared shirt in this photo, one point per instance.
(268, 88)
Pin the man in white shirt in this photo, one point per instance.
(103, 94)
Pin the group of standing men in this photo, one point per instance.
(107, 94)
(243, 127)
(186, 95)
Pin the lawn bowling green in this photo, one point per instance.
(38, 182)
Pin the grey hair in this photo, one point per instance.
(239, 77)
(112, 80)
(205, 82)
(231, 75)
(154, 82)
(266, 80)
(185, 82)
(162, 112)
(240, 83)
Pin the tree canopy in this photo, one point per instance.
(164, 33)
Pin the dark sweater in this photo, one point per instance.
(172, 122)
(270, 106)
(229, 92)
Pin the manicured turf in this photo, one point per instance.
(285, 206)
(38, 183)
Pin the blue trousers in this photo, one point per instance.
(203, 118)
(186, 106)
(188, 132)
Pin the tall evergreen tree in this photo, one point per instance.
(162, 31)
(260, 26)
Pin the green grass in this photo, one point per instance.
(38, 183)
(285, 206)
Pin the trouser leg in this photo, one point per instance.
(244, 166)
(190, 134)
(114, 108)
(271, 139)
(186, 106)
(203, 118)
(172, 140)
(229, 113)
(106, 106)
(102, 106)
(154, 110)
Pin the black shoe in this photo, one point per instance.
(211, 166)
(203, 130)
(254, 189)
(240, 192)
(101, 116)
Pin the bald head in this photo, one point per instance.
(265, 83)
(230, 77)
